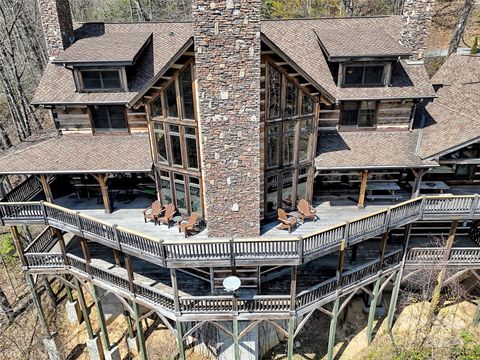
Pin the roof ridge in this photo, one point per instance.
(333, 18)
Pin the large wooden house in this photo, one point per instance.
(234, 118)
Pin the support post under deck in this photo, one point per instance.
(46, 188)
(236, 345)
(373, 308)
(140, 334)
(179, 333)
(101, 319)
(291, 332)
(363, 190)
(393, 299)
(333, 328)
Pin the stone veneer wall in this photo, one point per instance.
(57, 25)
(227, 60)
(417, 17)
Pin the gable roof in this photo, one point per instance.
(458, 69)
(109, 48)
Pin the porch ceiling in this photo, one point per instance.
(85, 153)
(369, 150)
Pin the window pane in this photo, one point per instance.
(180, 193)
(274, 91)
(186, 93)
(307, 105)
(160, 141)
(117, 117)
(273, 146)
(373, 75)
(91, 80)
(353, 75)
(272, 197)
(366, 117)
(175, 145)
(100, 117)
(287, 190)
(191, 146)
(350, 113)
(156, 107)
(171, 101)
(304, 141)
(288, 142)
(302, 184)
(291, 100)
(195, 203)
(111, 79)
(166, 189)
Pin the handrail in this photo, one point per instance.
(436, 256)
(230, 252)
(26, 190)
(43, 242)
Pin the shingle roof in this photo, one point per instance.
(57, 85)
(298, 40)
(106, 48)
(80, 154)
(368, 149)
(340, 40)
(458, 69)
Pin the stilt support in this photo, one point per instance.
(140, 334)
(333, 328)
(101, 320)
(236, 345)
(393, 299)
(181, 349)
(291, 332)
(373, 308)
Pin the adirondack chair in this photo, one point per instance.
(153, 212)
(306, 211)
(285, 221)
(167, 215)
(188, 225)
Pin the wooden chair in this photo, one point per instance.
(189, 225)
(285, 221)
(306, 211)
(153, 212)
(168, 215)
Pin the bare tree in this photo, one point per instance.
(460, 26)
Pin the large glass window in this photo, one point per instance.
(288, 142)
(274, 93)
(358, 114)
(302, 184)
(165, 188)
(180, 196)
(175, 144)
(109, 118)
(307, 105)
(191, 147)
(304, 143)
(363, 75)
(186, 94)
(194, 193)
(160, 140)
(156, 107)
(291, 99)
(273, 146)
(96, 80)
(171, 98)
(287, 189)
(272, 194)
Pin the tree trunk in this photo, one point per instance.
(460, 27)
(7, 309)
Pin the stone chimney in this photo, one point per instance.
(227, 61)
(57, 25)
(417, 20)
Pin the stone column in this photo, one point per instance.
(417, 20)
(227, 61)
(57, 25)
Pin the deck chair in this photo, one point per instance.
(285, 221)
(306, 211)
(188, 225)
(168, 215)
(153, 212)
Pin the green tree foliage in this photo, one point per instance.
(474, 49)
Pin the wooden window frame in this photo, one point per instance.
(122, 75)
(343, 70)
(356, 127)
(96, 131)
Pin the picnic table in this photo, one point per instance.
(431, 185)
(388, 187)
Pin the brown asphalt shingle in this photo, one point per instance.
(109, 47)
(458, 69)
(368, 149)
(80, 153)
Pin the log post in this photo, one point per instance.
(293, 288)
(18, 244)
(383, 248)
(333, 328)
(179, 333)
(84, 307)
(102, 181)
(341, 263)
(173, 277)
(236, 345)
(38, 305)
(418, 181)
(373, 308)
(101, 319)
(393, 299)
(140, 334)
(363, 189)
(46, 188)
(291, 333)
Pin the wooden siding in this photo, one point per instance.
(137, 119)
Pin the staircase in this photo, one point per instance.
(248, 276)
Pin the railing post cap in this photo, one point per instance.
(77, 212)
(115, 226)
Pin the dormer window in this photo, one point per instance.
(100, 80)
(363, 75)
(109, 118)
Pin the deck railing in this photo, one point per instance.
(230, 252)
(25, 191)
(431, 257)
(43, 242)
